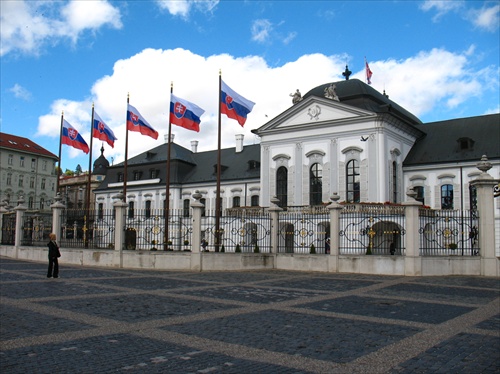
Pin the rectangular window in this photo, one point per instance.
(44, 165)
(21, 161)
(32, 182)
(131, 209)
(154, 174)
(185, 208)
(33, 163)
(11, 160)
(43, 184)
(254, 200)
(9, 179)
(21, 181)
(148, 209)
(100, 211)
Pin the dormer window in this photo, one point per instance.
(222, 168)
(253, 165)
(137, 175)
(150, 155)
(465, 144)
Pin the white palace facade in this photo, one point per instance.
(343, 137)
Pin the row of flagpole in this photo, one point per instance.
(182, 113)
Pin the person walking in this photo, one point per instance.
(53, 271)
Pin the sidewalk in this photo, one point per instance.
(100, 320)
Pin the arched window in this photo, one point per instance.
(316, 184)
(394, 182)
(254, 201)
(447, 196)
(236, 201)
(353, 182)
(281, 186)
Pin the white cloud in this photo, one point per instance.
(441, 7)
(486, 18)
(261, 30)
(435, 80)
(182, 8)
(20, 92)
(28, 26)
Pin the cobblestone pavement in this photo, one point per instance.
(100, 320)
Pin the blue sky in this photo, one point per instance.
(438, 59)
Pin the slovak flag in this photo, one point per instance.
(71, 137)
(368, 73)
(102, 132)
(233, 105)
(185, 114)
(136, 122)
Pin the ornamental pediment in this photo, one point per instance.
(315, 112)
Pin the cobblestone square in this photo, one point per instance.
(103, 320)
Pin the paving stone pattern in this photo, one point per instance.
(99, 320)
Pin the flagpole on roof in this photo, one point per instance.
(217, 198)
(167, 184)
(126, 154)
(59, 172)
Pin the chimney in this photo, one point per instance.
(165, 137)
(239, 142)
(194, 146)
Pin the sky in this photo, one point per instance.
(437, 59)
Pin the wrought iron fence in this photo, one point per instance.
(372, 229)
(145, 230)
(448, 232)
(87, 229)
(36, 228)
(9, 228)
(304, 230)
(241, 230)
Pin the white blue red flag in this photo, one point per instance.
(234, 105)
(101, 131)
(70, 136)
(368, 73)
(136, 122)
(185, 114)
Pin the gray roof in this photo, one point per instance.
(361, 95)
(457, 140)
(187, 167)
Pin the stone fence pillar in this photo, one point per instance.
(57, 209)
(274, 211)
(120, 210)
(334, 208)
(413, 261)
(196, 255)
(484, 184)
(20, 209)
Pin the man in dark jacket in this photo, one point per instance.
(53, 271)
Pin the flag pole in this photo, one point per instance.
(126, 154)
(167, 184)
(89, 182)
(217, 198)
(60, 147)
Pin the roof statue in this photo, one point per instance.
(296, 97)
(331, 92)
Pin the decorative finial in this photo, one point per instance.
(484, 165)
(347, 73)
